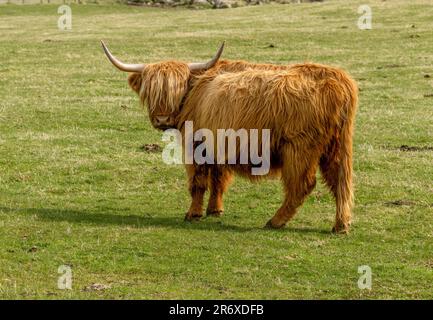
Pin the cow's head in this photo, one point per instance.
(161, 86)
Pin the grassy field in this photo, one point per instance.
(77, 187)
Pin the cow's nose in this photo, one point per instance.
(163, 121)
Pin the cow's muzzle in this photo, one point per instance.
(163, 122)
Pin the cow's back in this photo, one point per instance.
(289, 102)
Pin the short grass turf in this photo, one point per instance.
(78, 189)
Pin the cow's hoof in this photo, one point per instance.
(340, 229)
(191, 216)
(274, 225)
(214, 212)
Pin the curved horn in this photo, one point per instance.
(206, 65)
(119, 64)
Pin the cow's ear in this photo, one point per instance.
(134, 81)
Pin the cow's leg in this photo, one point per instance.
(219, 180)
(299, 179)
(197, 182)
(336, 169)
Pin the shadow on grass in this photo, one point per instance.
(74, 216)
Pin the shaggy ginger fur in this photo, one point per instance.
(309, 109)
(174, 76)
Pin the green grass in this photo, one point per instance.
(76, 187)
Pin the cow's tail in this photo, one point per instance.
(344, 195)
(336, 163)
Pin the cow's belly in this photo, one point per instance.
(245, 171)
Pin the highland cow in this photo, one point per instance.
(309, 109)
